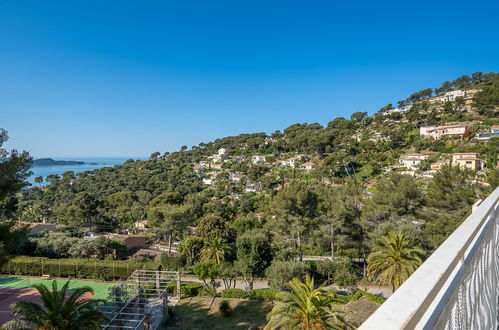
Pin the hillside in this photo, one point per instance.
(316, 189)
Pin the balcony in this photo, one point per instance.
(457, 287)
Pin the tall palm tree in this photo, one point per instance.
(215, 250)
(394, 259)
(305, 307)
(58, 312)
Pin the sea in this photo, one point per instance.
(90, 164)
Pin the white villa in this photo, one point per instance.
(309, 166)
(257, 159)
(412, 161)
(402, 109)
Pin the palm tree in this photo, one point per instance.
(305, 307)
(394, 259)
(215, 250)
(58, 312)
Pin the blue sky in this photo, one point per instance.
(126, 78)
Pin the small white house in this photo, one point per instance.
(208, 181)
(412, 161)
(451, 96)
(236, 177)
(309, 166)
(257, 159)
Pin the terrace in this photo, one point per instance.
(457, 287)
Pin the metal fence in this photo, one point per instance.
(457, 287)
(141, 300)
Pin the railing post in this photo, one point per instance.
(179, 293)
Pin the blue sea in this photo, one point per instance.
(90, 164)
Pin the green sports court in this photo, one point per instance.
(100, 288)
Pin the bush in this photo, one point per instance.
(262, 294)
(224, 308)
(368, 295)
(207, 292)
(187, 288)
(281, 272)
(173, 261)
(234, 293)
(75, 268)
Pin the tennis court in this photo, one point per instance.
(13, 289)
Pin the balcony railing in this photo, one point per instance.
(457, 287)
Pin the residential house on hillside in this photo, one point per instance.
(220, 156)
(437, 132)
(449, 96)
(36, 227)
(494, 132)
(236, 177)
(216, 166)
(402, 109)
(257, 159)
(253, 187)
(198, 169)
(467, 160)
(131, 241)
(309, 166)
(412, 161)
(438, 165)
(452, 95)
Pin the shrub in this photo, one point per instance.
(187, 288)
(281, 272)
(368, 295)
(234, 293)
(207, 292)
(173, 261)
(263, 294)
(224, 308)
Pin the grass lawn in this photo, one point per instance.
(100, 288)
(202, 313)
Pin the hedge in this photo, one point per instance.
(256, 294)
(373, 297)
(234, 293)
(75, 268)
(263, 294)
(187, 288)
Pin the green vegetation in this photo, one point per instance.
(203, 313)
(246, 207)
(74, 268)
(394, 259)
(60, 309)
(305, 307)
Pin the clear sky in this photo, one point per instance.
(126, 78)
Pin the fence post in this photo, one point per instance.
(60, 272)
(113, 271)
(41, 266)
(179, 293)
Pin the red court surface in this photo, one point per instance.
(9, 296)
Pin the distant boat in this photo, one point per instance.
(51, 162)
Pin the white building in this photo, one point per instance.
(451, 96)
(412, 161)
(309, 166)
(256, 159)
(208, 181)
(402, 109)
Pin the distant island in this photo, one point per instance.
(51, 162)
